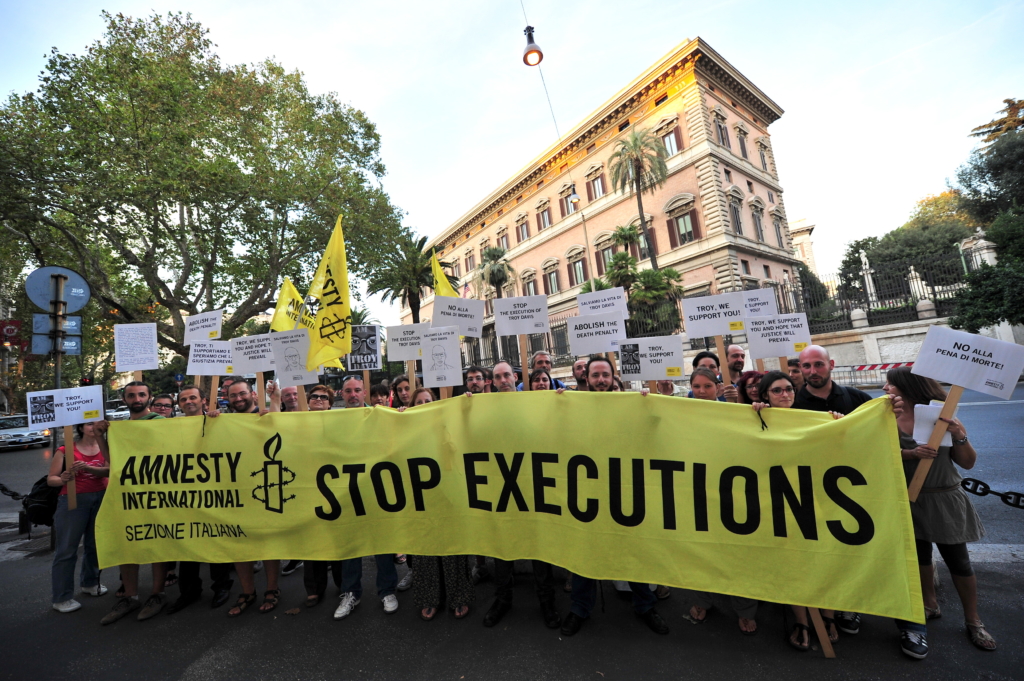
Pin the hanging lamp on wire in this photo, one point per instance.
(532, 55)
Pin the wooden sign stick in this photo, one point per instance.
(446, 392)
(137, 376)
(410, 369)
(366, 384)
(524, 360)
(784, 364)
(69, 460)
(723, 360)
(261, 391)
(925, 465)
(303, 403)
(822, 632)
(214, 386)
(611, 360)
(760, 365)
(652, 386)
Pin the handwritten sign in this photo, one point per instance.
(365, 355)
(714, 315)
(404, 342)
(760, 302)
(135, 347)
(252, 354)
(651, 359)
(971, 361)
(599, 302)
(465, 313)
(210, 358)
(203, 327)
(595, 332)
(290, 351)
(442, 360)
(522, 315)
(778, 336)
(65, 407)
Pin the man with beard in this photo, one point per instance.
(477, 380)
(192, 402)
(820, 392)
(542, 360)
(600, 378)
(137, 396)
(579, 372)
(736, 357)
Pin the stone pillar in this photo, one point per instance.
(859, 318)
(926, 309)
(869, 281)
(918, 288)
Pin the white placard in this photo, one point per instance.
(925, 418)
(135, 347)
(522, 315)
(778, 336)
(599, 302)
(713, 315)
(252, 353)
(65, 407)
(442, 359)
(203, 327)
(291, 348)
(404, 342)
(656, 358)
(210, 358)
(760, 302)
(365, 355)
(595, 332)
(465, 313)
(979, 363)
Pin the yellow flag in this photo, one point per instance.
(286, 314)
(442, 287)
(331, 335)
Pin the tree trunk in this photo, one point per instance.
(643, 221)
(414, 307)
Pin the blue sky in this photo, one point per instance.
(879, 96)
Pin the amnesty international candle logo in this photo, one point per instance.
(274, 481)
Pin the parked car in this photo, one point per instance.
(116, 410)
(15, 433)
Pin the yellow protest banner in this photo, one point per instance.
(687, 493)
(331, 335)
(286, 312)
(442, 287)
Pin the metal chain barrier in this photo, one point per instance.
(11, 493)
(974, 486)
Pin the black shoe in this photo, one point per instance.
(480, 573)
(183, 602)
(291, 566)
(220, 596)
(848, 622)
(552, 620)
(496, 612)
(654, 621)
(914, 644)
(571, 624)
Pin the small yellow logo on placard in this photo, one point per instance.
(799, 347)
(213, 334)
(735, 326)
(229, 369)
(91, 414)
(420, 352)
(673, 371)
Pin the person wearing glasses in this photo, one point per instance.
(163, 405)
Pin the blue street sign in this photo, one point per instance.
(179, 377)
(41, 324)
(41, 345)
(39, 287)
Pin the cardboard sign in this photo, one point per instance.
(65, 407)
(925, 418)
(595, 332)
(210, 358)
(135, 347)
(975, 362)
(760, 302)
(252, 354)
(599, 302)
(203, 327)
(714, 315)
(365, 355)
(290, 351)
(404, 342)
(778, 336)
(465, 313)
(651, 359)
(442, 360)
(522, 315)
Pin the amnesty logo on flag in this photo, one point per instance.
(331, 335)
(286, 313)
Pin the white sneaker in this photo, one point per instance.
(406, 582)
(348, 604)
(97, 590)
(69, 605)
(257, 566)
(390, 603)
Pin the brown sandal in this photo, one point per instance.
(243, 602)
(979, 637)
(425, 617)
(271, 598)
(464, 609)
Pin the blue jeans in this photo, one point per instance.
(352, 575)
(904, 625)
(70, 528)
(584, 596)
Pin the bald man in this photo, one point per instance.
(820, 392)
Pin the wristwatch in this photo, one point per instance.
(961, 441)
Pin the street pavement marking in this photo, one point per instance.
(980, 404)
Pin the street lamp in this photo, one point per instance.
(532, 55)
(574, 198)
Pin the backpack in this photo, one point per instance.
(41, 503)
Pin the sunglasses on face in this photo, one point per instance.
(318, 396)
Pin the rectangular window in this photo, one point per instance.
(746, 266)
(570, 207)
(771, 197)
(544, 219)
(623, 125)
(456, 270)
(743, 145)
(606, 255)
(661, 100)
(579, 274)
(523, 231)
(778, 233)
(764, 159)
(595, 188)
(487, 308)
(734, 213)
(669, 141)
(728, 176)
(684, 228)
(591, 148)
(758, 228)
(645, 252)
(530, 288)
(551, 279)
(767, 272)
(470, 263)
(503, 241)
(750, 186)
(723, 133)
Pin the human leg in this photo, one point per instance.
(746, 609)
(387, 575)
(352, 577)
(503, 580)
(583, 597)
(68, 527)
(457, 584)
(90, 576)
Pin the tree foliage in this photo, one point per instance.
(1012, 120)
(638, 164)
(993, 295)
(621, 271)
(992, 182)
(495, 270)
(406, 273)
(197, 183)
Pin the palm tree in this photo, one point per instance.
(638, 164)
(595, 284)
(625, 236)
(622, 271)
(363, 317)
(494, 269)
(653, 286)
(406, 274)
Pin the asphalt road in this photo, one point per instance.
(199, 644)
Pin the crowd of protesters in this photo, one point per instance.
(943, 516)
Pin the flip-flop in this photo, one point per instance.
(271, 597)
(427, 618)
(312, 601)
(694, 620)
(745, 632)
(456, 612)
(802, 647)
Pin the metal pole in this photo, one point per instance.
(57, 317)
(591, 266)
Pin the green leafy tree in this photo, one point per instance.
(993, 182)
(595, 284)
(625, 236)
(653, 307)
(1007, 233)
(406, 274)
(145, 158)
(494, 269)
(622, 271)
(993, 295)
(363, 317)
(638, 164)
(1012, 120)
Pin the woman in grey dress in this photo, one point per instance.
(943, 514)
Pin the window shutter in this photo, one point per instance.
(585, 277)
(544, 279)
(599, 261)
(673, 233)
(694, 224)
(557, 287)
(572, 279)
(540, 225)
(634, 251)
(604, 184)
(590, 191)
(679, 138)
(561, 206)
(615, 249)
(653, 245)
